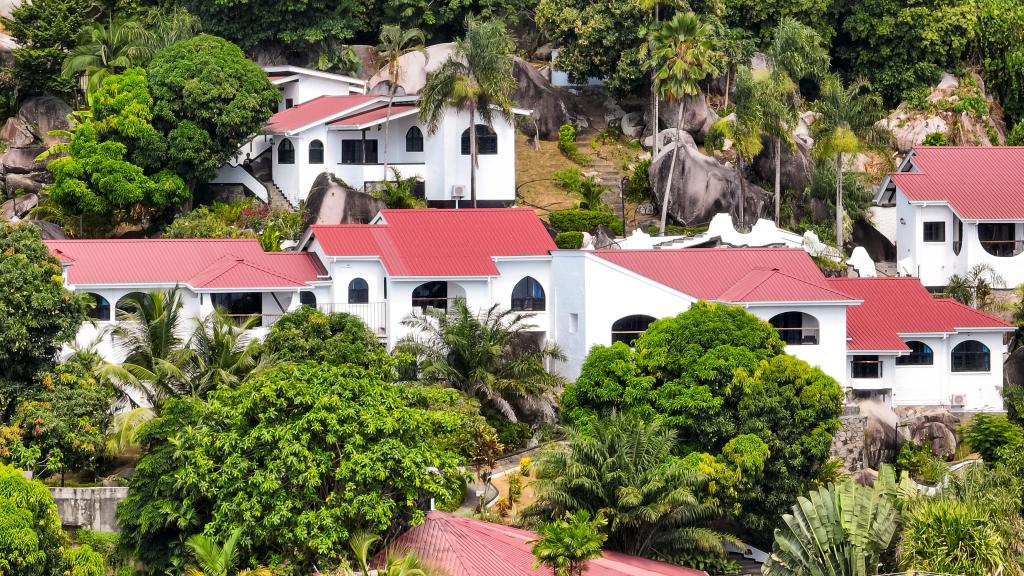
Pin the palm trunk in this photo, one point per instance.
(778, 179)
(839, 202)
(654, 94)
(743, 189)
(672, 165)
(387, 128)
(728, 73)
(472, 155)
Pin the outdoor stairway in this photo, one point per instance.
(602, 170)
(278, 201)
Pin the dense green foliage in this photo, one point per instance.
(45, 31)
(716, 374)
(566, 544)
(299, 456)
(989, 434)
(242, 219)
(583, 220)
(37, 314)
(569, 240)
(338, 339)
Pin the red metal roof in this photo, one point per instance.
(199, 263)
(902, 306)
(458, 546)
(440, 243)
(979, 183)
(321, 108)
(361, 118)
(732, 274)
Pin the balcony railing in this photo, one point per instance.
(373, 314)
(1003, 248)
(806, 336)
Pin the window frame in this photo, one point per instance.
(629, 336)
(787, 328)
(531, 296)
(488, 147)
(437, 300)
(925, 357)
(102, 304)
(414, 139)
(316, 146)
(954, 355)
(862, 360)
(286, 146)
(358, 291)
(934, 224)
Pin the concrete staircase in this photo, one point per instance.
(278, 201)
(602, 170)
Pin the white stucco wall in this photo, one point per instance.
(448, 167)
(937, 384)
(829, 353)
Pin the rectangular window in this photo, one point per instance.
(934, 231)
(574, 323)
(369, 151)
(358, 151)
(288, 103)
(866, 367)
(239, 305)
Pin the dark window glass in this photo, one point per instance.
(971, 356)
(316, 152)
(369, 151)
(920, 355)
(289, 103)
(285, 152)
(431, 295)
(528, 294)
(414, 140)
(130, 302)
(796, 328)
(866, 367)
(628, 329)
(358, 151)
(934, 231)
(486, 140)
(358, 292)
(101, 310)
(239, 303)
(307, 299)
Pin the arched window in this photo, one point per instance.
(129, 303)
(920, 355)
(486, 140)
(971, 356)
(431, 295)
(101, 309)
(307, 299)
(628, 329)
(316, 152)
(358, 291)
(414, 140)
(528, 295)
(285, 152)
(796, 328)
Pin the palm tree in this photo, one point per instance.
(213, 559)
(361, 542)
(148, 333)
(108, 49)
(975, 288)
(485, 355)
(395, 43)
(684, 58)
(842, 530)
(398, 194)
(476, 78)
(847, 125)
(170, 28)
(566, 545)
(124, 428)
(624, 468)
(222, 353)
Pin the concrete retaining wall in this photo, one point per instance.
(93, 508)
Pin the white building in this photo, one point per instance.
(327, 123)
(958, 207)
(879, 337)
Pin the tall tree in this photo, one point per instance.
(45, 32)
(395, 43)
(476, 79)
(847, 125)
(107, 49)
(222, 353)
(683, 58)
(484, 355)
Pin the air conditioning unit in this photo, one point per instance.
(958, 399)
(458, 192)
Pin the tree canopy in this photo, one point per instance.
(45, 31)
(717, 375)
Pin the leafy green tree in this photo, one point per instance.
(566, 544)
(297, 24)
(300, 457)
(45, 31)
(760, 18)
(845, 529)
(846, 126)
(683, 56)
(396, 42)
(37, 314)
(208, 99)
(987, 434)
(623, 468)
(171, 27)
(104, 50)
(214, 559)
(308, 335)
(716, 373)
(30, 531)
(476, 79)
(485, 355)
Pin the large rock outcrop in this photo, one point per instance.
(27, 135)
(935, 429)
(797, 165)
(701, 186)
(44, 114)
(413, 69)
(697, 116)
(331, 202)
(550, 105)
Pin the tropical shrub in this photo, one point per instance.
(951, 537)
(31, 540)
(935, 139)
(569, 240)
(308, 335)
(987, 434)
(587, 188)
(566, 544)
(242, 219)
(583, 220)
(638, 188)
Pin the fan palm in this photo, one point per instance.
(477, 79)
(484, 355)
(222, 353)
(847, 125)
(212, 559)
(844, 529)
(108, 49)
(624, 468)
(395, 43)
(684, 58)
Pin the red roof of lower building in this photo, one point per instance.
(440, 243)
(457, 546)
(200, 263)
(739, 275)
(979, 183)
(320, 109)
(896, 307)
(362, 118)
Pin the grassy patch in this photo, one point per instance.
(535, 170)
